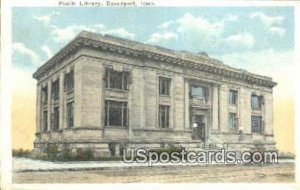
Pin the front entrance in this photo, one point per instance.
(199, 127)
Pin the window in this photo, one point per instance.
(45, 121)
(116, 113)
(69, 81)
(55, 89)
(198, 91)
(117, 80)
(232, 97)
(256, 102)
(55, 119)
(164, 116)
(45, 95)
(164, 86)
(70, 114)
(232, 122)
(256, 124)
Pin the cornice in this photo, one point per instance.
(147, 52)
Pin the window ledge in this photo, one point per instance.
(116, 90)
(165, 129)
(115, 127)
(165, 96)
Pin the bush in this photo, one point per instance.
(21, 153)
(52, 152)
(84, 155)
(65, 154)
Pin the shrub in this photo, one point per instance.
(84, 155)
(65, 154)
(52, 151)
(21, 153)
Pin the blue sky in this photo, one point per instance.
(232, 34)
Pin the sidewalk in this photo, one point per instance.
(27, 165)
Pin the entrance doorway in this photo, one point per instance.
(199, 127)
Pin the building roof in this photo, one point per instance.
(200, 61)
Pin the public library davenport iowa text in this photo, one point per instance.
(107, 93)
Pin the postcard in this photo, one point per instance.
(141, 94)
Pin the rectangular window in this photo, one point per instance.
(256, 124)
(256, 102)
(70, 114)
(45, 95)
(198, 91)
(164, 86)
(232, 122)
(55, 119)
(69, 81)
(116, 114)
(117, 80)
(45, 121)
(164, 116)
(232, 97)
(55, 89)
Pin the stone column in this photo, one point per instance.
(49, 104)
(38, 109)
(186, 104)
(61, 101)
(78, 93)
(223, 106)
(268, 113)
(245, 110)
(151, 100)
(215, 109)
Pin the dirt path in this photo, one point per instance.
(282, 173)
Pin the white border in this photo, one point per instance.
(5, 114)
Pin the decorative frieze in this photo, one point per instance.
(200, 63)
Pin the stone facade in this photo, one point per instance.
(166, 98)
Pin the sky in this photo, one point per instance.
(258, 39)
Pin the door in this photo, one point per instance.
(199, 128)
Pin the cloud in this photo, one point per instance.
(162, 37)
(47, 51)
(277, 30)
(69, 32)
(45, 19)
(244, 40)
(232, 18)
(198, 33)
(270, 23)
(122, 32)
(166, 24)
(23, 50)
(189, 23)
(267, 20)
